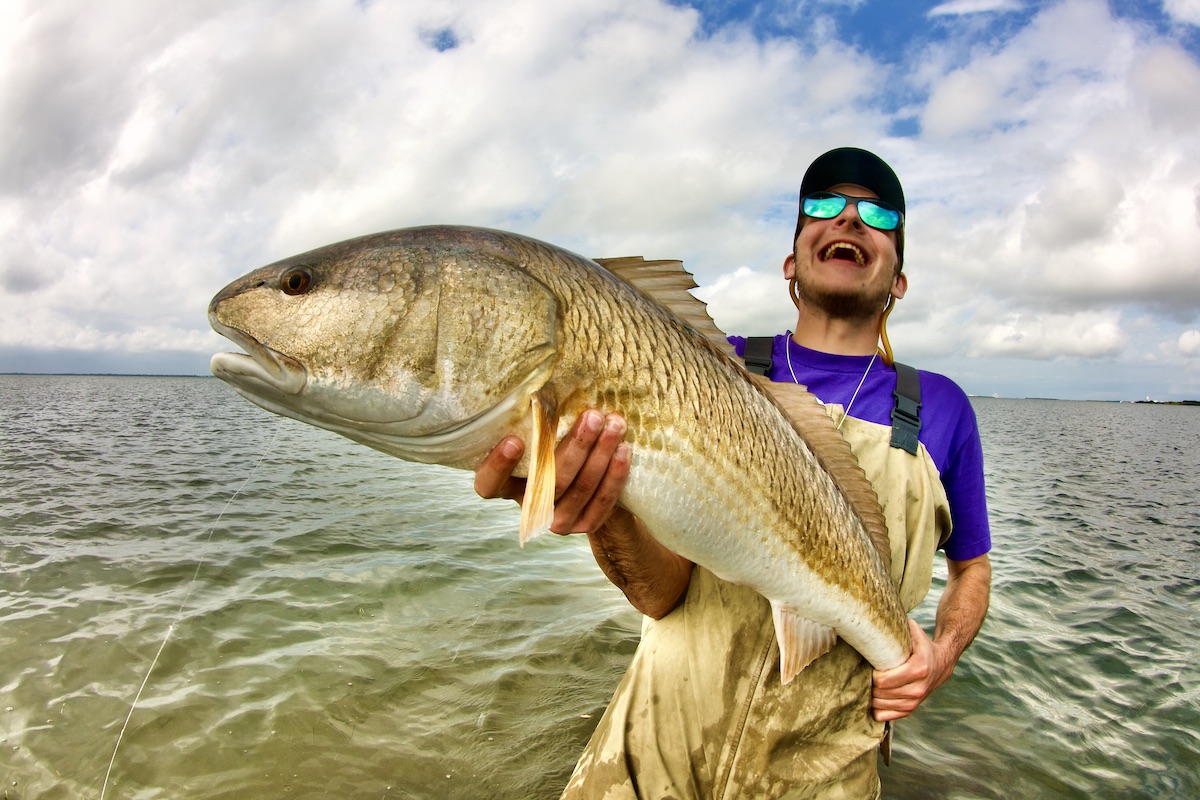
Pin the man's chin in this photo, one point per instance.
(846, 305)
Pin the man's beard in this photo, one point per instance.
(858, 306)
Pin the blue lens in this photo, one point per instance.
(827, 205)
(878, 216)
(824, 205)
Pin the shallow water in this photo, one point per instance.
(351, 625)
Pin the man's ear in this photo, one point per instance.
(900, 286)
(789, 266)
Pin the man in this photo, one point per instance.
(701, 711)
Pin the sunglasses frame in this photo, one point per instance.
(847, 199)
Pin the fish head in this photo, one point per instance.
(425, 343)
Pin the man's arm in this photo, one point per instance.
(591, 466)
(653, 578)
(897, 692)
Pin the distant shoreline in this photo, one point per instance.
(1168, 402)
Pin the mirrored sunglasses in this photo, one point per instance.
(876, 213)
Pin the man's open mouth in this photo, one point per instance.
(844, 251)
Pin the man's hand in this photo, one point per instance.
(591, 465)
(898, 691)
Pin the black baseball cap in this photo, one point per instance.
(858, 166)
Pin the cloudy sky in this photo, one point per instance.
(151, 152)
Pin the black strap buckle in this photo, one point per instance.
(757, 354)
(906, 413)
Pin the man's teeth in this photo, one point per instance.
(849, 252)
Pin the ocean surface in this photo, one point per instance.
(326, 621)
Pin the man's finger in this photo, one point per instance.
(591, 476)
(605, 498)
(914, 669)
(575, 448)
(494, 476)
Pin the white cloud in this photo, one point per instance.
(963, 102)
(1088, 335)
(1078, 204)
(747, 302)
(958, 7)
(1186, 11)
(1166, 81)
(1189, 342)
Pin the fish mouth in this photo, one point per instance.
(259, 368)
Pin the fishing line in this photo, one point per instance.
(182, 607)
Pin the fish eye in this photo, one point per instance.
(296, 281)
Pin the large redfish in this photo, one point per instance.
(433, 343)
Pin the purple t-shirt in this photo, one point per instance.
(948, 428)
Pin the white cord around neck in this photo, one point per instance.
(846, 411)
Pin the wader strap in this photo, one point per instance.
(906, 413)
(758, 354)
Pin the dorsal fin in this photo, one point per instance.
(667, 283)
(809, 419)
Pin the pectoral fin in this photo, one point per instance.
(801, 641)
(537, 510)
